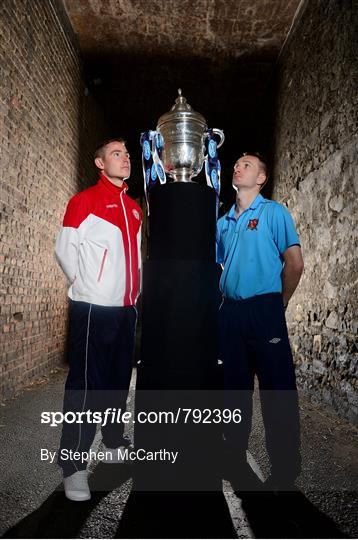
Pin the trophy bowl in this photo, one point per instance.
(183, 132)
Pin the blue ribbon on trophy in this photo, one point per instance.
(153, 170)
(212, 164)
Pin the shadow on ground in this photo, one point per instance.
(146, 515)
(176, 514)
(287, 515)
(59, 517)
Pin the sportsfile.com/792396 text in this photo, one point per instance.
(181, 415)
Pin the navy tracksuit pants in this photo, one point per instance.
(254, 341)
(101, 344)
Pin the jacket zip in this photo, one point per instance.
(129, 247)
(102, 265)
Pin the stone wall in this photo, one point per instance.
(315, 175)
(49, 128)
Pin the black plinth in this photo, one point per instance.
(182, 222)
(178, 368)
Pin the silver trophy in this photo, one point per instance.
(179, 147)
(184, 132)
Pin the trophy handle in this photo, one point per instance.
(221, 135)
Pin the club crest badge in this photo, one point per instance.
(136, 214)
(252, 224)
(212, 148)
(153, 172)
(146, 150)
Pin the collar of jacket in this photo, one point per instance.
(103, 180)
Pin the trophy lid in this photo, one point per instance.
(181, 109)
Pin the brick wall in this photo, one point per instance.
(48, 129)
(315, 173)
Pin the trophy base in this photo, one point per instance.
(181, 175)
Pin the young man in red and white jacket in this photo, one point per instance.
(98, 248)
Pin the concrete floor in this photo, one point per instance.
(32, 503)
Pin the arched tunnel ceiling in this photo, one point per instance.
(214, 29)
(137, 53)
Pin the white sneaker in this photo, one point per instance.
(114, 455)
(76, 486)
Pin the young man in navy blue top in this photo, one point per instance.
(260, 253)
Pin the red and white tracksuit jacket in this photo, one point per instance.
(98, 246)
